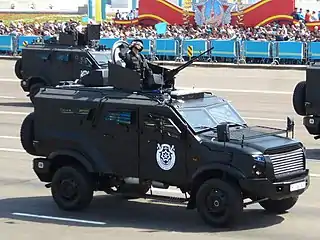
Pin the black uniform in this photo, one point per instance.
(136, 62)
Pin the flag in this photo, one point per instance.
(95, 8)
(161, 28)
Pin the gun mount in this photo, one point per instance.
(157, 78)
(71, 37)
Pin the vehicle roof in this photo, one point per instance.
(180, 97)
(55, 47)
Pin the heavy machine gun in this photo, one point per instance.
(173, 72)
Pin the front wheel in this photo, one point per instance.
(219, 203)
(279, 206)
(72, 188)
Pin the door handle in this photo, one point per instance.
(152, 140)
(108, 135)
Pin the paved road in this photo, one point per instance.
(262, 97)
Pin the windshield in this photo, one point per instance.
(206, 117)
(101, 57)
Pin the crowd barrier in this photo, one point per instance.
(237, 51)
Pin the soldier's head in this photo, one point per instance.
(137, 44)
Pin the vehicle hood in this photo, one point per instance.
(254, 139)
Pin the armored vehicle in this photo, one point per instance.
(306, 100)
(128, 138)
(55, 61)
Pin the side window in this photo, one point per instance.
(63, 57)
(43, 55)
(160, 123)
(120, 117)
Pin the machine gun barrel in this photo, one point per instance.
(175, 71)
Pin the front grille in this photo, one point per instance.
(288, 162)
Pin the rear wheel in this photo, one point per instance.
(219, 203)
(299, 98)
(34, 89)
(27, 134)
(72, 188)
(18, 69)
(279, 206)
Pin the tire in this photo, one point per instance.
(223, 193)
(299, 97)
(34, 89)
(18, 69)
(279, 206)
(70, 175)
(27, 134)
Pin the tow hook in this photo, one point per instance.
(48, 185)
(316, 137)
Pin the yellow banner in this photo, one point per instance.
(98, 12)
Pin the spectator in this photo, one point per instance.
(307, 16)
(131, 15)
(314, 17)
(118, 15)
(300, 15)
(295, 14)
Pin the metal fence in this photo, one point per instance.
(279, 52)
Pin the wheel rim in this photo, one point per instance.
(217, 203)
(68, 189)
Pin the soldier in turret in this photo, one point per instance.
(134, 59)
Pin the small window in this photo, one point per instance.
(43, 55)
(63, 57)
(120, 117)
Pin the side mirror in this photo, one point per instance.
(290, 124)
(223, 132)
(184, 132)
(290, 127)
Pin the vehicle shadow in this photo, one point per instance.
(313, 154)
(16, 104)
(117, 212)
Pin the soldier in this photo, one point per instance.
(134, 59)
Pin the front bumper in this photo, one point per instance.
(24, 85)
(312, 124)
(264, 188)
(42, 168)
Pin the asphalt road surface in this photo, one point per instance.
(27, 211)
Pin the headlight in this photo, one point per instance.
(259, 158)
(258, 169)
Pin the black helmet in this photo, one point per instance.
(136, 42)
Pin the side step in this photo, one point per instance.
(159, 195)
(166, 199)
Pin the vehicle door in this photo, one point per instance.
(62, 67)
(118, 128)
(162, 147)
(37, 63)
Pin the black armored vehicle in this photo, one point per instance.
(132, 136)
(306, 100)
(59, 60)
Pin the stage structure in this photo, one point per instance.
(97, 8)
(217, 12)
